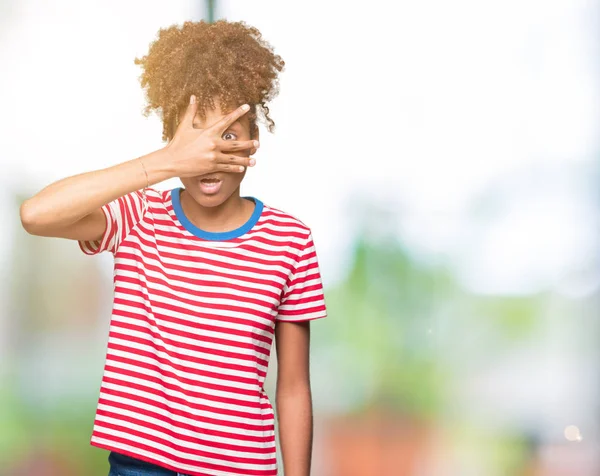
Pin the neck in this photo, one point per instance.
(224, 217)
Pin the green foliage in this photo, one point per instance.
(515, 317)
(387, 321)
(383, 313)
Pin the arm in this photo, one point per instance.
(293, 396)
(71, 207)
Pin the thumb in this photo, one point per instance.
(190, 112)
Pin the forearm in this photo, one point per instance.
(68, 200)
(294, 415)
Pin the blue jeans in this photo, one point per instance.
(122, 465)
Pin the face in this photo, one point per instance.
(213, 189)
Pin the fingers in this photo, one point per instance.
(234, 163)
(236, 146)
(190, 112)
(222, 125)
(230, 168)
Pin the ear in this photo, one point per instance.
(255, 136)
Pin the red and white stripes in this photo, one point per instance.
(191, 335)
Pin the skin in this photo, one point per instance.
(225, 210)
(219, 146)
(293, 398)
(71, 207)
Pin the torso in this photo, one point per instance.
(190, 340)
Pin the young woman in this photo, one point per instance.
(205, 279)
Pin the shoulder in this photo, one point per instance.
(155, 194)
(155, 197)
(286, 222)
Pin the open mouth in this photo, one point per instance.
(210, 185)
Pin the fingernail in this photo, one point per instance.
(241, 169)
(192, 99)
(252, 162)
(245, 107)
(256, 144)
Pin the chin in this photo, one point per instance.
(209, 201)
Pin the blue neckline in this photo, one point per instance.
(209, 235)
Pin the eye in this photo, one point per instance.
(229, 136)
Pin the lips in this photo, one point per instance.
(210, 185)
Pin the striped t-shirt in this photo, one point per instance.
(192, 329)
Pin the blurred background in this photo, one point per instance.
(446, 156)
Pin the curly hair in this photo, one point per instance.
(227, 61)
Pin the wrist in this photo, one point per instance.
(158, 166)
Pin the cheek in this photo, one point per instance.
(235, 178)
(187, 182)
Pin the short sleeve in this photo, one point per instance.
(121, 215)
(303, 298)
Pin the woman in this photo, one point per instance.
(205, 279)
